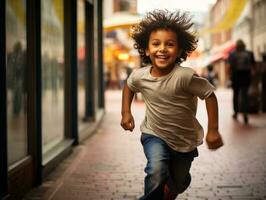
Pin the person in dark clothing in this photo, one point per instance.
(241, 63)
(211, 75)
(16, 60)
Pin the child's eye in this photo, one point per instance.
(171, 44)
(155, 43)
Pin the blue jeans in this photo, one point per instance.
(165, 167)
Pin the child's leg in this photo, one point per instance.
(169, 195)
(180, 178)
(157, 154)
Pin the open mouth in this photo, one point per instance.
(161, 58)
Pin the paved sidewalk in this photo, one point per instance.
(110, 164)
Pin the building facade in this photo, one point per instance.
(244, 26)
(258, 28)
(250, 27)
(220, 40)
(51, 86)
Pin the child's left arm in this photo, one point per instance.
(213, 138)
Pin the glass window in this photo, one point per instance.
(52, 39)
(81, 62)
(16, 88)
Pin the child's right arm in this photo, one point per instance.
(127, 121)
(213, 137)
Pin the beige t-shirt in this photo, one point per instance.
(171, 105)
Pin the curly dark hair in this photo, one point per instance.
(178, 22)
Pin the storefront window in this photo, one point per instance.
(52, 42)
(16, 87)
(81, 62)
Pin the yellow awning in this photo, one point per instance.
(120, 20)
(230, 18)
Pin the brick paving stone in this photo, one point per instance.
(110, 164)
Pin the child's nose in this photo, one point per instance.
(162, 48)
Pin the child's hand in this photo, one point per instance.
(127, 121)
(214, 139)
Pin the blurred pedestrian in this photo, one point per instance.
(240, 63)
(16, 61)
(211, 75)
(122, 77)
(170, 130)
(107, 78)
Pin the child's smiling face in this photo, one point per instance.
(163, 49)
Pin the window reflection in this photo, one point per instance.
(16, 87)
(52, 73)
(81, 62)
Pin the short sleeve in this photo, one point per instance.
(200, 87)
(132, 82)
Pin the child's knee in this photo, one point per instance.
(181, 186)
(157, 172)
